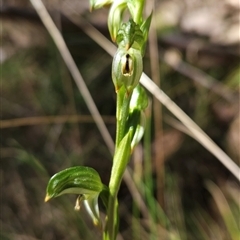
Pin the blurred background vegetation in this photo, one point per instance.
(186, 192)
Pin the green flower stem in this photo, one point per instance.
(126, 72)
(112, 221)
(122, 113)
(120, 97)
(120, 162)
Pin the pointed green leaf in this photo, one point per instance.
(145, 26)
(145, 30)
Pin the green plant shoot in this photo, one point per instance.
(127, 67)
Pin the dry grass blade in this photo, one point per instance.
(172, 58)
(194, 129)
(18, 122)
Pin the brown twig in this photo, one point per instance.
(43, 120)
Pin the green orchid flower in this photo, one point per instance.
(81, 180)
(127, 68)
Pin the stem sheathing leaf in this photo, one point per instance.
(120, 162)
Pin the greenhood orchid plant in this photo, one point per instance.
(127, 67)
